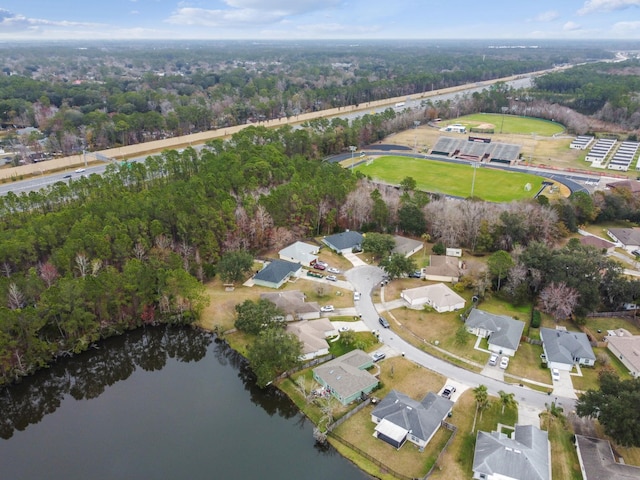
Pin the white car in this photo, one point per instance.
(332, 278)
(555, 374)
(356, 296)
(333, 270)
(327, 308)
(448, 391)
(378, 356)
(344, 329)
(504, 363)
(493, 360)
(80, 170)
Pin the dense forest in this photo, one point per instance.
(98, 96)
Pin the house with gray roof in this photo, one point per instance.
(628, 238)
(526, 456)
(406, 246)
(626, 348)
(503, 332)
(346, 377)
(294, 305)
(399, 418)
(564, 349)
(440, 297)
(276, 272)
(597, 242)
(343, 242)
(300, 252)
(597, 461)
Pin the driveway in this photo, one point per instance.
(355, 260)
(564, 386)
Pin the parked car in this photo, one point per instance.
(320, 262)
(327, 308)
(332, 278)
(493, 359)
(356, 296)
(555, 374)
(383, 322)
(344, 329)
(333, 270)
(378, 356)
(504, 363)
(448, 391)
(319, 266)
(416, 274)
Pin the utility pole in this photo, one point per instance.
(353, 148)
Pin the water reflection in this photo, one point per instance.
(86, 376)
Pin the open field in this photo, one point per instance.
(510, 124)
(454, 179)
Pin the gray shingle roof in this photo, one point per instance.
(341, 241)
(566, 347)
(506, 331)
(276, 271)
(525, 457)
(422, 419)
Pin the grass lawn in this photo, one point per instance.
(589, 378)
(511, 124)
(564, 459)
(454, 179)
(526, 364)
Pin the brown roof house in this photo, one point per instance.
(626, 348)
(313, 334)
(440, 297)
(597, 242)
(294, 305)
(346, 377)
(442, 269)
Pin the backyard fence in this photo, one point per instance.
(454, 430)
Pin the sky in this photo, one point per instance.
(319, 19)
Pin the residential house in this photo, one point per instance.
(406, 246)
(628, 238)
(294, 305)
(399, 418)
(597, 242)
(632, 185)
(276, 272)
(626, 348)
(440, 297)
(344, 242)
(300, 252)
(526, 456)
(442, 269)
(565, 349)
(312, 334)
(597, 461)
(346, 377)
(503, 332)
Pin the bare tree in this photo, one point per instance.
(48, 273)
(15, 298)
(82, 264)
(139, 251)
(558, 300)
(6, 269)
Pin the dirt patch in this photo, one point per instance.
(582, 426)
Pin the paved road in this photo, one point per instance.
(365, 278)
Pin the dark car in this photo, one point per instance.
(67, 176)
(383, 322)
(416, 274)
(319, 266)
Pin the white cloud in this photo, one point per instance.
(289, 7)
(593, 6)
(571, 27)
(626, 28)
(547, 16)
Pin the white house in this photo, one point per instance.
(565, 349)
(440, 297)
(626, 348)
(312, 334)
(300, 252)
(503, 332)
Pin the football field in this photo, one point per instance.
(459, 180)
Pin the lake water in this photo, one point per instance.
(159, 403)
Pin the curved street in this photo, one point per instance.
(365, 278)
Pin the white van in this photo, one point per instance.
(356, 296)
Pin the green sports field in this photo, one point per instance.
(510, 124)
(453, 179)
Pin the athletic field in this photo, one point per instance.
(509, 124)
(454, 179)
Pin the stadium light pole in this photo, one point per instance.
(353, 148)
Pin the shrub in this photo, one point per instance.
(536, 319)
